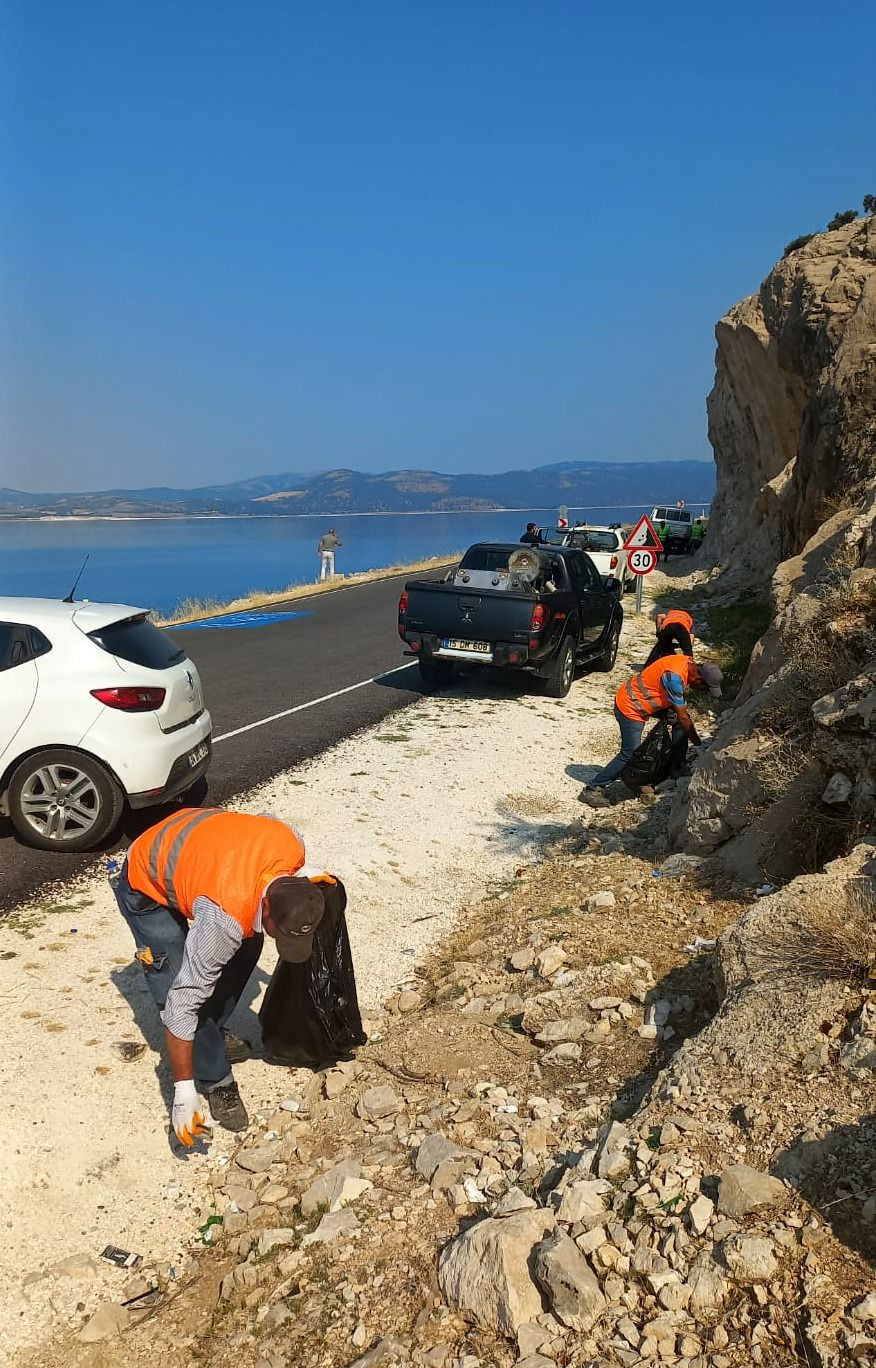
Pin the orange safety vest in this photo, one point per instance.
(229, 857)
(675, 616)
(643, 695)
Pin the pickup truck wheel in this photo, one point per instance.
(558, 683)
(605, 662)
(436, 673)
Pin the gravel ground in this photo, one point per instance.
(418, 816)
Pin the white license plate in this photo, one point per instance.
(198, 754)
(458, 644)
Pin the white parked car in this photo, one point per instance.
(97, 707)
(604, 546)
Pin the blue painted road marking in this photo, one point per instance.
(232, 620)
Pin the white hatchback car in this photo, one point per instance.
(97, 706)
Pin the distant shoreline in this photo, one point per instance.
(274, 517)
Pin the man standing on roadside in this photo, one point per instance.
(326, 548)
(199, 891)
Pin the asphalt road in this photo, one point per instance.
(342, 640)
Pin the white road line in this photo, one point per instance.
(300, 707)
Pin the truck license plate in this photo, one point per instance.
(458, 644)
(198, 754)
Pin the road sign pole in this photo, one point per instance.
(639, 579)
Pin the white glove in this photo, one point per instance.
(187, 1114)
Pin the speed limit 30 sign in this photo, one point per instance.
(642, 560)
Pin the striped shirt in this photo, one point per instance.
(212, 940)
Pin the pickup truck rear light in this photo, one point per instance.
(612, 564)
(402, 614)
(539, 617)
(131, 699)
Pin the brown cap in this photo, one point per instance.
(296, 908)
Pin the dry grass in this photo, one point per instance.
(192, 609)
(836, 941)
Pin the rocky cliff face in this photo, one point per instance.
(792, 416)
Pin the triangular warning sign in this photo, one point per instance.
(643, 534)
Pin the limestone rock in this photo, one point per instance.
(549, 960)
(613, 1160)
(556, 1032)
(709, 1290)
(585, 1201)
(522, 959)
(485, 1270)
(700, 1214)
(742, 1189)
(838, 789)
(336, 1188)
(109, 1320)
(277, 1238)
(332, 1227)
(390, 1351)
(437, 1149)
(376, 1103)
(257, 1158)
(750, 1258)
(569, 1282)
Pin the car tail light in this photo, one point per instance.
(402, 614)
(131, 698)
(612, 564)
(539, 617)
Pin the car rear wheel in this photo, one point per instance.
(436, 673)
(558, 683)
(60, 799)
(606, 661)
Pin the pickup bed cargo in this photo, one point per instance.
(542, 609)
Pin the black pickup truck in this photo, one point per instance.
(543, 609)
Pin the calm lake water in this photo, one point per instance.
(156, 564)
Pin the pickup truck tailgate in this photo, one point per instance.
(447, 611)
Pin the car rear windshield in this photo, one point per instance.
(487, 558)
(137, 640)
(596, 541)
(672, 515)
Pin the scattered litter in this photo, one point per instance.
(122, 1258)
(699, 944)
(129, 1050)
(656, 873)
(74, 930)
(765, 890)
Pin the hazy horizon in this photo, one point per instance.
(278, 236)
(313, 474)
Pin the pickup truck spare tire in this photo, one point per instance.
(558, 681)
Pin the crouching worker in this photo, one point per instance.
(199, 892)
(675, 631)
(651, 693)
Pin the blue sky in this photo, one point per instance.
(250, 236)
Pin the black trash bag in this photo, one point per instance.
(310, 1015)
(651, 761)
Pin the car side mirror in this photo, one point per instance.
(612, 585)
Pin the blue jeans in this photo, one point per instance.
(630, 736)
(163, 930)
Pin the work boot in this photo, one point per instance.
(593, 797)
(236, 1049)
(226, 1107)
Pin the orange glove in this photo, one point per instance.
(187, 1115)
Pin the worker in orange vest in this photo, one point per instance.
(675, 631)
(652, 692)
(199, 892)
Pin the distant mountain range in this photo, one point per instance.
(335, 492)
